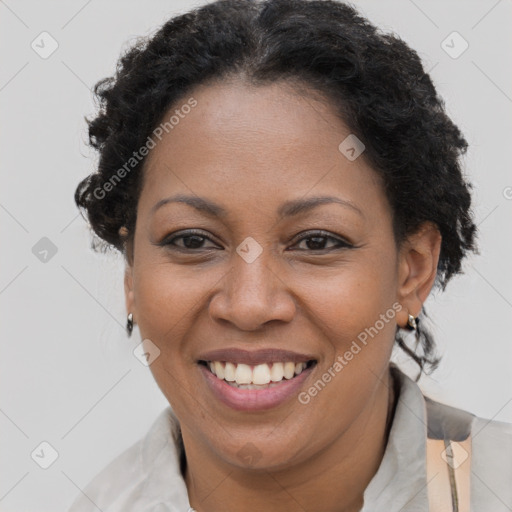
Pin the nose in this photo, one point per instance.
(252, 295)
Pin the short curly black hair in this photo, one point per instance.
(374, 81)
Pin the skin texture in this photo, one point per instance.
(249, 149)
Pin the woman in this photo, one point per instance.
(285, 185)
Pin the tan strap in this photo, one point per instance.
(448, 475)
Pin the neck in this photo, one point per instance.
(336, 477)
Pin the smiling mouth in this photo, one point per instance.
(261, 376)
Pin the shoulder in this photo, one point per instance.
(143, 476)
(489, 449)
(492, 451)
(445, 421)
(112, 483)
(448, 422)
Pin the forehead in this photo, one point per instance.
(265, 144)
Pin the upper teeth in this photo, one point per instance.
(259, 374)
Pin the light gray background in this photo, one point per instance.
(68, 373)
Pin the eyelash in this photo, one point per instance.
(342, 244)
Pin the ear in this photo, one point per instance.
(128, 290)
(418, 259)
(128, 272)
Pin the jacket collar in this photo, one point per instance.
(401, 480)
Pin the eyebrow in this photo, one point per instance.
(288, 209)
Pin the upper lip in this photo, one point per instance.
(255, 357)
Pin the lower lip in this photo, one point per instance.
(254, 399)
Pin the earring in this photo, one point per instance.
(412, 323)
(129, 324)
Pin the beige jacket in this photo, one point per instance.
(469, 465)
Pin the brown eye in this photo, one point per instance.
(317, 241)
(191, 240)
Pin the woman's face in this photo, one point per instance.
(244, 285)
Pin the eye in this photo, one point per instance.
(317, 240)
(191, 239)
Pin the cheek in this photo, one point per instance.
(166, 297)
(352, 299)
(355, 315)
(166, 305)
